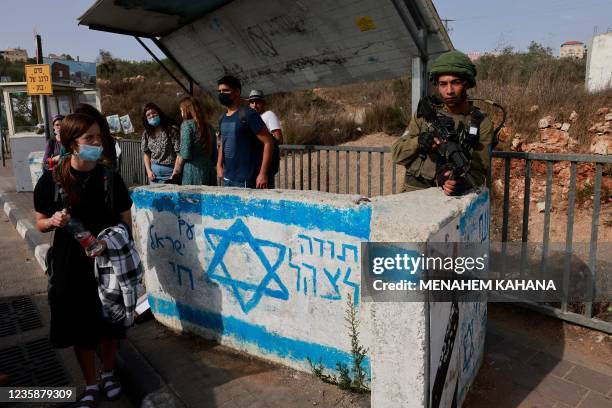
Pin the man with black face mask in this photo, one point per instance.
(246, 145)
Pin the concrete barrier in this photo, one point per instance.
(269, 273)
(22, 144)
(35, 160)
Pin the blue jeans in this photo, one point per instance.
(162, 172)
(243, 184)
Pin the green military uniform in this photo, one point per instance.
(421, 168)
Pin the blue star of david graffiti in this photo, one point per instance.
(240, 234)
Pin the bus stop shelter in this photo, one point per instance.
(277, 45)
(23, 113)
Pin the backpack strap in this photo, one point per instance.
(242, 115)
(108, 176)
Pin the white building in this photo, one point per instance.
(572, 49)
(599, 63)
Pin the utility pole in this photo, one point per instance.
(45, 101)
(445, 21)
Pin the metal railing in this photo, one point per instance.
(330, 169)
(131, 165)
(370, 171)
(585, 318)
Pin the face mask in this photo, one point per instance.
(225, 99)
(89, 153)
(154, 121)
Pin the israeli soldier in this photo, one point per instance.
(452, 74)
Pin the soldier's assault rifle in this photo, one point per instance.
(453, 150)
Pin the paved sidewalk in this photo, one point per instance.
(533, 360)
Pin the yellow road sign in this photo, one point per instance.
(38, 78)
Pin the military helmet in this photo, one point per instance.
(454, 63)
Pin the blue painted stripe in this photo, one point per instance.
(266, 341)
(351, 221)
(473, 206)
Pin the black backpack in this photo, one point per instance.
(275, 164)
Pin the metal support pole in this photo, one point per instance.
(171, 57)
(418, 84)
(45, 99)
(1, 139)
(188, 90)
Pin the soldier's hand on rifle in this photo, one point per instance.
(428, 142)
(449, 186)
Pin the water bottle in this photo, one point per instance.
(84, 237)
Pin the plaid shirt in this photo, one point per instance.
(118, 272)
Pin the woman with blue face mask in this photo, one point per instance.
(160, 144)
(82, 187)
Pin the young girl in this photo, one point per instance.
(84, 188)
(198, 155)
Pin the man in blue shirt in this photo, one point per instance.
(246, 145)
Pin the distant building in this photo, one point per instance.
(474, 55)
(81, 77)
(572, 49)
(14, 55)
(60, 72)
(61, 56)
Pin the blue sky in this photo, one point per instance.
(481, 25)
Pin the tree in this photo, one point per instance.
(538, 49)
(107, 65)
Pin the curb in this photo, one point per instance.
(144, 386)
(37, 242)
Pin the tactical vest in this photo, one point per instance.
(421, 173)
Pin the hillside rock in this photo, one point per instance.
(600, 127)
(603, 111)
(601, 145)
(557, 125)
(573, 117)
(137, 78)
(505, 134)
(517, 143)
(608, 117)
(545, 122)
(551, 141)
(534, 108)
(571, 143)
(565, 127)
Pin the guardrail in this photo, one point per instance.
(370, 171)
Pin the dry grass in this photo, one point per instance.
(124, 97)
(324, 116)
(331, 116)
(520, 81)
